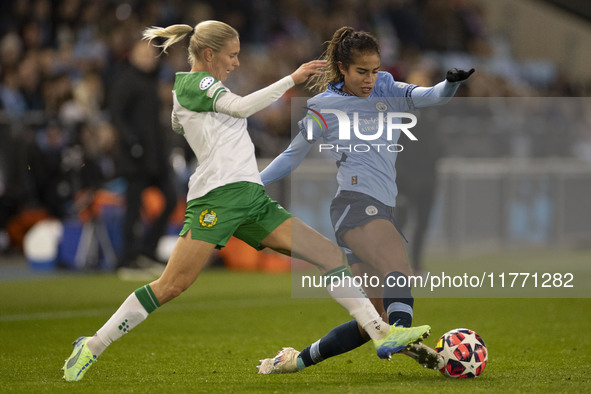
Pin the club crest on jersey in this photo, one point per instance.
(381, 107)
(206, 82)
(371, 210)
(208, 218)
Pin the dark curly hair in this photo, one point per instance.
(343, 46)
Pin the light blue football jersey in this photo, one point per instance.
(366, 155)
(360, 133)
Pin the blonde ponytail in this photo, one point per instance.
(173, 34)
(207, 34)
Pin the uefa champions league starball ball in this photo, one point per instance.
(464, 353)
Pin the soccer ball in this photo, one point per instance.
(464, 353)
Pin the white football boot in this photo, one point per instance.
(284, 362)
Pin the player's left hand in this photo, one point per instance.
(457, 75)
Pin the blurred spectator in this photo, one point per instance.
(49, 161)
(30, 81)
(11, 97)
(11, 48)
(98, 141)
(13, 187)
(143, 158)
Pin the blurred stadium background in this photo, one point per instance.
(496, 189)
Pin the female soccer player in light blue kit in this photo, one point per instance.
(360, 119)
(226, 196)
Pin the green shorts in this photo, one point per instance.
(242, 209)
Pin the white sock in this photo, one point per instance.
(351, 297)
(130, 314)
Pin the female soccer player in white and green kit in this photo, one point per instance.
(226, 196)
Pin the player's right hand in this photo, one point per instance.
(306, 70)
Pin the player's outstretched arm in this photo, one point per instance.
(242, 107)
(442, 92)
(287, 161)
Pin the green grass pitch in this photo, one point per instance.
(211, 338)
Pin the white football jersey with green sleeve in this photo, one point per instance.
(224, 150)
